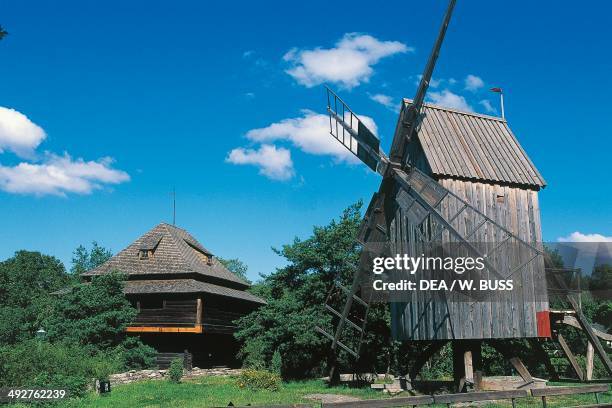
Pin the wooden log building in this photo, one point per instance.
(185, 297)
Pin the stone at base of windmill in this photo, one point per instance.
(398, 385)
(502, 383)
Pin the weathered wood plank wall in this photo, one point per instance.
(430, 315)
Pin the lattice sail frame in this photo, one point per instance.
(346, 127)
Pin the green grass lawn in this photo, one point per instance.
(219, 391)
(209, 392)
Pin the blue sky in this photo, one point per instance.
(106, 106)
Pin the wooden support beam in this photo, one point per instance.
(469, 367)
(199, 312)
(467, 363)
(458, 366)
(515, 360)
(573, 322)
(520, 368)
(589, 361)
(154, 329)
(582, 320)
(570, 356)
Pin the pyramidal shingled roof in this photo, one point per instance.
(175, 251)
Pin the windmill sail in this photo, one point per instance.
(348, 129)
(411, 117)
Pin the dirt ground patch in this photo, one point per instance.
(329, 398)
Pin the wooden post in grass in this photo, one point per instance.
(589, 361)
(467, 364)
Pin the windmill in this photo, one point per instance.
(453, 182)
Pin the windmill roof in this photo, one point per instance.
(468, 145)
(175, 251)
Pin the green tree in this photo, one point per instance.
(295, 297)
(600, 282)
(26, 280)
(552, 257)
(95, 314)
(84, 260)
(235, 266)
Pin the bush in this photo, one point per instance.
(253, 354)
(259, 380)
(135, 355)
(175, 372)
(277, 363)
(35, 363)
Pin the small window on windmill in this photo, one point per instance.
(148, 246)
(500, 197)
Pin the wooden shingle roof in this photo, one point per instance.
(472, 146)
(175, 251)
(174, 286)
(162, 286)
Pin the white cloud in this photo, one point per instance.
(580, 237)
(248, 53)
(58, 175)
(273, 162)
(473, 83)
(449, 99)
(349, 63)
(18, 133)
(53, 174)
(309, 133)
(487, 105)
(386, 101)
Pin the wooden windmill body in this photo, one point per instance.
(454, 183)
(478, 159)
(457, 179)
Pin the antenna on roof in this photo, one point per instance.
(173, 205)
(501, 98)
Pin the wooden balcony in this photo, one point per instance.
(181, 316)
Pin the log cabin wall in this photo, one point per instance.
(159, 312)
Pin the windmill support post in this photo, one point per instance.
(589, 361)
(570, 357)
(467, 364)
